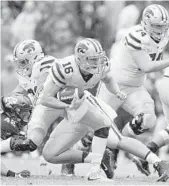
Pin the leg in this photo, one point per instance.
(42, 118)
(136, 106)
(130, 144)
(5, 145)
(65, 135)
(162, 138)
(85, 145)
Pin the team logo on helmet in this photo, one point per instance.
(29, 48)
(149, 13)
(82, 48)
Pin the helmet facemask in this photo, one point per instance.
(25, 54)
(156, 31)
(23, 67)
(93, 64)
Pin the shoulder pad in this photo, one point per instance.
(42, 66)
(136, 39)
(63, 69)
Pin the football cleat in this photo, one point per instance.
(23, 174)
(163, 170)
(142, 165)
(20, 143)
(68, 169)
(108, 163)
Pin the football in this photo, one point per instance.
(66, 95)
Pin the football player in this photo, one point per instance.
(68, 79)
(162, 138)
(13, 120)
(31, 66)
(140, 52)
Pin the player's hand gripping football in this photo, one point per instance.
(121, 95)
(76, 102)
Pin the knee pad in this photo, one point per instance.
(149, 121)
(20, 143)
(102, 133)
(142, 123)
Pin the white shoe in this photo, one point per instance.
(95, 172)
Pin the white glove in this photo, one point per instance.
(121, 95)
(76, 102)
(77, 109)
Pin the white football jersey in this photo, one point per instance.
(124, 68)
(41, 67)
(65, 73)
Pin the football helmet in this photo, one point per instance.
(90, 56)
(155, 20)
(25, 54)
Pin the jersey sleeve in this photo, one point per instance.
(136, 39)
(42, 67)
(57, 74)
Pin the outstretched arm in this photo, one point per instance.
(113, 87)
(145, 63)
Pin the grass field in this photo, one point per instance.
(126, 174)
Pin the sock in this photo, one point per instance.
(152, 158)
(153, 147)
(98, 148)
(5, 145)
(10, 173)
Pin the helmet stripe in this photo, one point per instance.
(94, 44)
(162, 13)
(166, 13)
(99, 45)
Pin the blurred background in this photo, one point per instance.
(58, 25)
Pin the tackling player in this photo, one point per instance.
(13, 120)
(70, 77)
(31, 66)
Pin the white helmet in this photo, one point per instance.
(155, 20)
(90, 56)
(25, 54)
